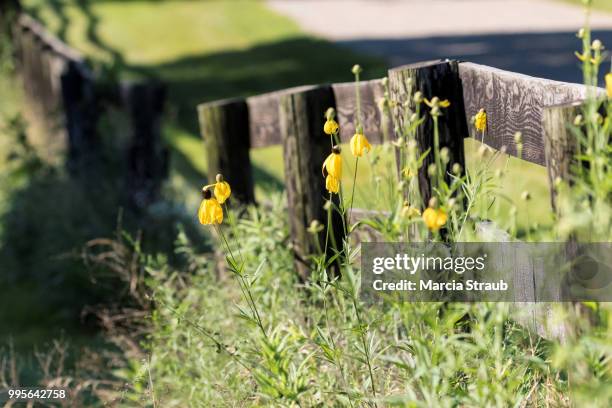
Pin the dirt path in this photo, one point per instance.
(535, 37)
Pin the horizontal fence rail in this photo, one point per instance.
(538, 108)
(514, 102)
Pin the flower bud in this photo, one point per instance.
(525, 196)
(315, 227)
(580, 33)
(435, 111)
(356, 70)
(597, 45)
(327, 206)
(330, 113)
(433, 202)
(431, 170)
(418, 97)
(451, 203)
(445, 155)
(457, 169)
(578, 120)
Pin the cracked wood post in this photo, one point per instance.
(560, 145)
(433, 78)
(224, 126)
(305, 147)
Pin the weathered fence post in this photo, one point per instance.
(147, 159)
(224, 126)
(305, 147)
(80, 115)
(560, 146)
(434, 78)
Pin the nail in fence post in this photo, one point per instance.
(224, 126)
(305, 147)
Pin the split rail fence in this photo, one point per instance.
(294, 118)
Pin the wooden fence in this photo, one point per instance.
(294, 119)
(68, 99)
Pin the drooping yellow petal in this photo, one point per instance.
(330, 127)
(210, 212)
(445, 103)
(332, 184)
(609, 84)
(359, 144)
(480, 121)
(434, 218)
(222, 191)
(333, 165)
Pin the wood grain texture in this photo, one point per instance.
(560, 145)
(433, 79)
(513, 102)
(301, 123)
(374, 123)
(224, 126)
(264, 113)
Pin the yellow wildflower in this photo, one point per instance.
(332, 184)
(333, 164)
(331, 127)
(436, 102)
(434, 218)
(222, 189)
(480, 120)
(408, 172)
(409, 211)
(359, 143)
(609, 84)
(210, 211)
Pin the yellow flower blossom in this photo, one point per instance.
(210, 211)
(409, 211)
(332, 184)
(609, 84)
(333, 164)
(222, 189)
(330, 127)
(434, 218)
(408, 172)
(480, 120)
(359, 144)
(435, 101)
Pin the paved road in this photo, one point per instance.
(534, 37)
